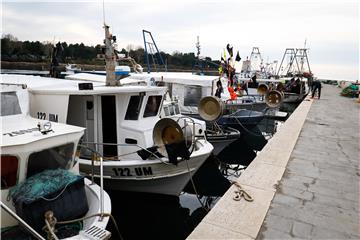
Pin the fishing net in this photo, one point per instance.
(350, 91)
(59, 191)
(42, 184)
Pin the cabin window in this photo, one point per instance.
(172, 110)
(166, 111)
(89, 110)
(133, 110)
(52, 158)
(152, 106)
(192, 95)
(9, 170)
(9, 104)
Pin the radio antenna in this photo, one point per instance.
(104, 11)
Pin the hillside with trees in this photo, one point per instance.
(13, 50)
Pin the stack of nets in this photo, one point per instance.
(350, 91)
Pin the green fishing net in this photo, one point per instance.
(42, 184)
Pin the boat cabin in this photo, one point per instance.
(30, 146)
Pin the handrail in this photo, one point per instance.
(124, 145)
(102, 189)
(21, 221)
(187, 123)
(101, 177)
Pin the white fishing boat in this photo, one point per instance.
(72, 68)
(123, 124)
(32, 147)
(187, 89)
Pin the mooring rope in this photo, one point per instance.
(241, 193)
(49, 228)
(195, 190)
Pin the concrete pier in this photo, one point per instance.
(305, 182)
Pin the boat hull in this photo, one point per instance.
(219, 142)
(293, 97)
(149, 176)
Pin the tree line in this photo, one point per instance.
(13, 50)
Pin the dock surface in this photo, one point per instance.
(305, 182)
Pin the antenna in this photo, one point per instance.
(305, 44)
(104, 11)
(198, 47)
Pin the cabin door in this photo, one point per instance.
(81, 113)
(109, 130)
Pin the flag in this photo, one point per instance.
(237, 58)
(175, 150)
(229, 49)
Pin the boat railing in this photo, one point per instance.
(96, 155)
(99, 157)
(190, 122)
(21, 221)
(116, 144)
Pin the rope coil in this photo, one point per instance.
(241, 193)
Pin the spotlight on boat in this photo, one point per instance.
(167, 131)
(211, 108)
(274, 98)
(262, 89)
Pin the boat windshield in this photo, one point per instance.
(133, 110)
(9, 104)
(52, 158)
(152, 106)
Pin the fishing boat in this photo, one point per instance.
(71, 68)
(142, 152)
(291, 79)
(188, 89)
(178, 83)
(40, 179)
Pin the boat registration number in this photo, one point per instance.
(128, 172)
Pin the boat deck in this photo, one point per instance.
(305, 182)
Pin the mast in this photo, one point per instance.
(110, 58)
(256, 61)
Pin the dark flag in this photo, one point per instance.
(175, 150)
(229, 49)
(237, 58)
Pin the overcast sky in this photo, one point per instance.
(330, 27)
